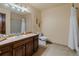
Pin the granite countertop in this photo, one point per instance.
(15, 38)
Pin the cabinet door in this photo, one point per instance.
(29, 48)
(19, 51)
(35, 43)
(6, 51)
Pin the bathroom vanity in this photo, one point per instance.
(22, 45)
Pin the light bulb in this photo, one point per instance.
(12, 7)
(18, 9)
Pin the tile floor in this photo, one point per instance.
(55, 50)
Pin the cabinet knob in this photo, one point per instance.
(0, 52)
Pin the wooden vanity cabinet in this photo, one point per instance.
(23, 47)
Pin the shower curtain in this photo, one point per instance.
(73, 30)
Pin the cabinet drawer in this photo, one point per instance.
(5, 49)
(22, 42)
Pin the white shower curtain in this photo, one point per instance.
(73, 30)
(23, 26)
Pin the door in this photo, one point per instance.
(19, 51)
(2, 23)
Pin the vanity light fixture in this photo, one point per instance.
(16, 7)
(7, 5)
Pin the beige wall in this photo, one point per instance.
(31, 19)
(55, 23)
(2, 10)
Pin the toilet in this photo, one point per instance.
(42, 40)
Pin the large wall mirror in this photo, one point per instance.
(18, 23)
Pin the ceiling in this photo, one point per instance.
(42, 6)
